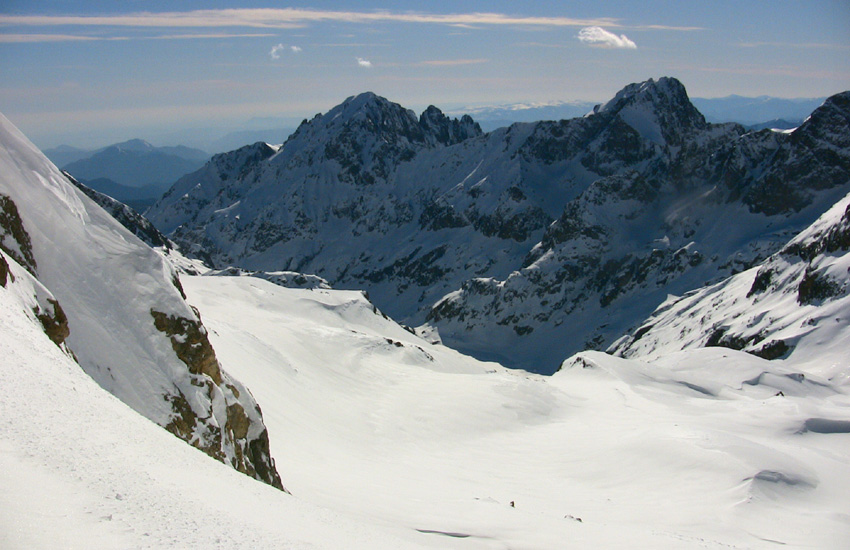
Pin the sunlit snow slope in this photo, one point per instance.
(119, 308)
(676, 453)
(81, 470)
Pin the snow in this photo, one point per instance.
(79, 469)
(368, 419)
(816, 332)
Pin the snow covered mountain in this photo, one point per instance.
(792, 307)
(116, 307)
(525, 244)
(696, 202)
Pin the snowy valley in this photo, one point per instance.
(714, 261)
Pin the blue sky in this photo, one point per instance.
(96, 72)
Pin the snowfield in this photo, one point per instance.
(695, 448)
(80, 469)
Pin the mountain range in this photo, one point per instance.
(525, 244)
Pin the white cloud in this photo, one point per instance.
(275, 52)
(295, 49)
(364, 62)
(597, 36)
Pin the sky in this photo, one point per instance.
(94, 72)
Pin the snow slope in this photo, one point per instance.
(79, 469)
(129, 327)
(672, 454)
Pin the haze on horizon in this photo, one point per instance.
(94, 72)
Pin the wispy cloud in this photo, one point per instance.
(452, 62)
(275, 51)
(34, 38)
(25, 38)
(291, 17)
(599, 37)
(194, 36)
(364, 62)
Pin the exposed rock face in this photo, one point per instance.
(16, 242)
(5, 275)
(238, 443)
(190, 343)
(55, 322)
(529, 243)
(14, 239)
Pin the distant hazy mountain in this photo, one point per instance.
(137, 163)
(498, 116)
(66, 154)
(755, 110)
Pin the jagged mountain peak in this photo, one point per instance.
(375, 115)
(665, 89)
(445, 130)
(372, 109)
